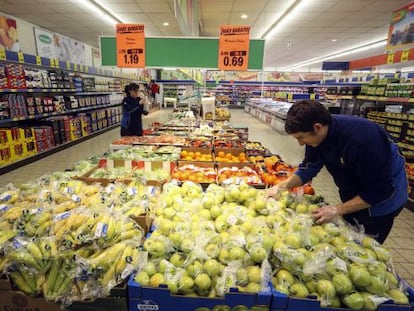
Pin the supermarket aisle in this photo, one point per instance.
(64, 159)
(400, 241)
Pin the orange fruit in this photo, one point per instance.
(221, 154)
(192, 178)
(229, 156)
(191, 154)
(188, 158)
(184, 153)
(242, 154)
(198, 154)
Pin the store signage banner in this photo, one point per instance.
(233, 50)
(401, 30)
(130, 45)
(53, 45)
(9, 38)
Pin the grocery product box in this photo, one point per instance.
(5, 155)
(29, 148)
(100, 304)
(26, 134)
(17, 151)
(15, 300)
(161, 299)
(145, 165)
(144, 221)
(9, 135)
(234, 151)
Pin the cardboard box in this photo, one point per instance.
(234, 151)
(5, 282)
(144, 221)
(9, 136)
(14, 300)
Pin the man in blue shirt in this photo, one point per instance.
(365, 163)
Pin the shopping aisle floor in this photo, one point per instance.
(399, 241)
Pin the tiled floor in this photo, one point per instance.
(400, 241)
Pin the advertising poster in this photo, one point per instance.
(96, 57)
(401, 30)
(53, 45)
(233, 50)
(9, 38)
(130, 45)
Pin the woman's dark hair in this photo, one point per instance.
(304, 114)
(131, 87)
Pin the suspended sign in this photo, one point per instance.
(233, 49)
(401, 30)
(130, 45)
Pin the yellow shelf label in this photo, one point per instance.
(52, 62)
(404, 55)
(86, 68)
(2, 54)
(390, 58)
(75, 67)
(38, 60)
(57, 64)
(67, 65)
(20, 57)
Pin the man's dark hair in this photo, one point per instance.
(304, 114)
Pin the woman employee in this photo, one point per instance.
(365, 163)
(132, 111)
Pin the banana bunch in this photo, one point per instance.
(34, 222)
(255, 146)
(34, 254)
(59, 279)
(26, 280)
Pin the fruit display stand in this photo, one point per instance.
(148, 298)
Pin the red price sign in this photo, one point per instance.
(130, 45)
(234, 48)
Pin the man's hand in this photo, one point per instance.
(325, 214)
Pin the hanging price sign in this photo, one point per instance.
(130, 45)
(233, 50)
(20, 57)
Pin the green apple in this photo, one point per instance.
(212, 267)
(293, 240)
(301, 208)
(369, 242)
(320, 232)
(312, 207)
(177, 259)
(212, 250)
(187, 245)
(150, 268)
(259, 203)
(299, 290)
(157, 249)
(335, 302)
(169, 213)
(343, 284)
(202, 281)
(354, 301)
(142, 278)
(242, 277)
(377, 269)
(205, 213)
(215, 211)
(156, 280)
(285, 277)
(237, 253)
(338, 241)
(332, 229)
(209, 200)
(221, 308)
(360, 276)
(398, 297)
(172, 286)
(186, 284)
(336, 266)
(369, 303)
(382, 254)
(282, 288)
(391, 280)
(176, 238)
(255, 274)
(258, 254)
(325, 288)
(253, 288)
(224, 256)
(311, 285)
(377, 286)
(194, 268)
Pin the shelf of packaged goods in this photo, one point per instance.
(28, 160)
(406, 146)
(51, 114)
(386, 99)
(37, 90)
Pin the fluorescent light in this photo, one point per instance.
(99, 11)
(244, 16)
(407, 69)
(333, 40)
(337, 54)
(165, 24)
(289, 14)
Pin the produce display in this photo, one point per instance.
(197, 156)
(195, 173)
(201, 142)
(238, 175)
(159, 175)
(227, 143)
(70, 241)
(255, 148)
(147, 153)
(222, 156)
(162, 139)
(222, 113)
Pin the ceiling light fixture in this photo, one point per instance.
(333, 40)
(288, 15)
(165, 24)
(99, 10)
(244, 16)
(337, 54)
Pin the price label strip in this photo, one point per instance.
(130, 45)
(20, 57)
(38, 60)
(234, 44)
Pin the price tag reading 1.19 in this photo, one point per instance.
(130, 45)
(234, 47)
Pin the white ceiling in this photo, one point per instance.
(308, 31)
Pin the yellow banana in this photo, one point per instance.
(24, 257)
(21, 283)
(123, 260)
(51, 277)
(43, 228)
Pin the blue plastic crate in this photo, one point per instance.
(281, 302)
(148, 298)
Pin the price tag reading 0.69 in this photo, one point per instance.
(234, 58)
